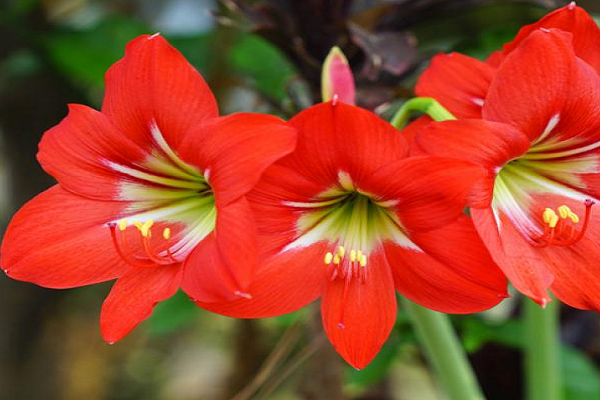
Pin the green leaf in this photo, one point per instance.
(84, 56)
(581, 378)
(378, 368)
(475, 332)
(262, 64)
(172, 314)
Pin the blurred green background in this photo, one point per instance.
(263, 56)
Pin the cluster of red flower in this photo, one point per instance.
(252, 216)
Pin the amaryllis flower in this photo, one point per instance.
(151, 190)
(460, 83)
(540, 141)
(349, 218)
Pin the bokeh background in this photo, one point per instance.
(263, 56)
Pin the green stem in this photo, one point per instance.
(426, 105)
(444, 352)
(542, 344)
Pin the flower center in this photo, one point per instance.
(547, 169)
(164, 191)
(354, 222)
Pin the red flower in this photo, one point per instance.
(348, 217)
(151, 191)
(460, 83)
(540, 140)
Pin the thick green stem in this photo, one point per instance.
(426, 105)
(542, 346)
(444, 352)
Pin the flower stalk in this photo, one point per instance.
(542, 344)
(444, 352)
(426, 105)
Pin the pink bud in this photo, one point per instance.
(336, 78)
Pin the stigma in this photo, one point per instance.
(562, 227)
(148, 256)
(346, 265)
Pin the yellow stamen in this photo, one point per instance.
(574, 217)
(167, 233)
(336, 259)
(363, 261)
(145, 227)
(122, 225)
(341, 251)
(553, 221)
(328, 258)
(564, 211)
(548, 215)
(359, 255)
(352, 255)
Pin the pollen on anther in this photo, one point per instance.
(341, 251)
(352, 255)
(564, 212)
(167, 233)
(550, 217)
(363, 261)
(122, 225)
(145, 227)
(328, 257)
(337, 259)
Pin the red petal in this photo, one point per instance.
(458, 82)
(76, 152)
(541, 85)
(486, 143)
(358, 317)
(284, 283)
(342, 137)
(133, 297)
(576, 281)
(454, 273)
(235, 235)
(573, 19)
(411, 131)
(61, 240)
(430, 191)
(489, 144)
(205, 276)
(236, 150)
(153, 82)
(524, 265)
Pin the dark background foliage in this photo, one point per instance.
(265, 56)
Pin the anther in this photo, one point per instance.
(145, 228)
(336, 259)
(167, 233)
(341, 251)
(564, 212)
(352, 255)
(363, 261)
(328, 257)
(122, 225)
